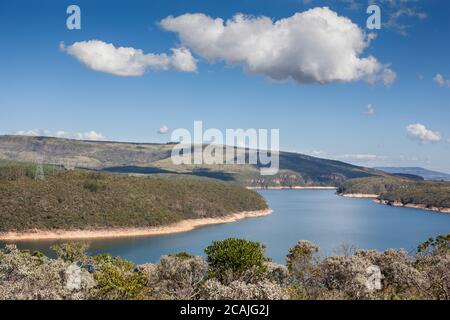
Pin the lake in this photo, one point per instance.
(319, 216)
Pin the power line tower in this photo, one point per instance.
(39, 175)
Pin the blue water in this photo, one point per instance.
(316, 215)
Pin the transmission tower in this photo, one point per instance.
(39, 175)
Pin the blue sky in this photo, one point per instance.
(46, 90)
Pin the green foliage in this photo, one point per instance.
(94, 186)
(303, 252)
(235, 256)
(117, 280)
(302, 263)
(344, 277)
(38, 254)
(182, 255)
(439, 244)
(14, 171)
(406, 191)
(295, 169)
(94, 200)
(71, 252)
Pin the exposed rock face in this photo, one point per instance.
(397, 203)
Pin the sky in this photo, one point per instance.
(136, 70)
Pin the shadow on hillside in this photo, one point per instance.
(224, 176)
(136, 169)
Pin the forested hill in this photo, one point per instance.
(295, 169)
(78, 199)
(402, 191)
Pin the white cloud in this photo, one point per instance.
(368, 159)
(87, 135)
(315, 46)
(354, 157)
(360, 157)
(318, 153)
(349, 4)
(30, 133)
(441, 81)
(163, 130)
(370, 110)
(126, 61)
(421, 133)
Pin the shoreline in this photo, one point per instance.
(411, 206)
(178, 227)
(359, 195)
(293, 188)
(398, 204)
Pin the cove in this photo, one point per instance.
(319, 216)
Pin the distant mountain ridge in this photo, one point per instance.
(418, 171)
(149, 158)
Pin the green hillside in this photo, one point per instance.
(295, 169)
(402, 190)
(89, 200)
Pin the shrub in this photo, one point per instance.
(24, 276)
(236, 258)
(71, 252)
(238, 290)
(277, 273)
(302, 264)
(435, 245)
(94, 186)
(347, 275)
(178, 277)
(116, 280)
(114, 283)
(182, 255)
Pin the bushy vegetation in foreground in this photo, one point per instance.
(247, 274)
(405, 191)
(92, 200)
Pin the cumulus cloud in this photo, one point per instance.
(87, 135)
(163, 130)
(315, 46)
(441, 81)
(370, 110)
(422, 133)
(127, 61)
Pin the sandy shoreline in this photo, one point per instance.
(293, 188)
(359, 195)
(182, 226)
(413, 206)
(395, 203)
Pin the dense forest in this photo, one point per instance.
(82, 199)
(402, 190)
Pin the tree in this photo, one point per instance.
(70, 252)
(233, 259)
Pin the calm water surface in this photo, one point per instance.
(316, 215)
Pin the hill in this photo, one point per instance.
(397, 191)
(69, 200)
(146, 158)
(417, 171)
